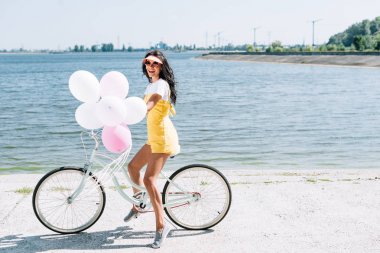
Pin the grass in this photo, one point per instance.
(265, 182)
(375, 178)
(249, 175)
(346, 179)
(59, 189)
(204, 183)
(289, 174)
(325, 180)
(122, 186)
(274, 182)
(24, 190)
(21, 168)
(311, 180)
(235, 183)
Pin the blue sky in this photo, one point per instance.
(58, 24)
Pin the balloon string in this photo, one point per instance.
(106, 173)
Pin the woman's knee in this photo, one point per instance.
(132, 168)
(149, 181)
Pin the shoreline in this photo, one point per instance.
(170, 169)
(271, 211)
(368, 61)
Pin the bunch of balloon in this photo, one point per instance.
(105, 106)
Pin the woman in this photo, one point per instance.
(162, 136)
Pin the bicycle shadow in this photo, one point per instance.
(101, 240)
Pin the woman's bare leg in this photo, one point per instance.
(155, 164)
(140, 159)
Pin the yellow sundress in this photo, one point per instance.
(162, 135)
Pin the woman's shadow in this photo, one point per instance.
(85, 241)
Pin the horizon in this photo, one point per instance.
(58, 25)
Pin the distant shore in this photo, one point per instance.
(333, 59)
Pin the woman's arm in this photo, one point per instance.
(153, 101)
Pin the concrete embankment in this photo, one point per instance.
(359, 60)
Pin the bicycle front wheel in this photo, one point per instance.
(55, 211)
(203, 195)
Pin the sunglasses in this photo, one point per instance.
(150, 63)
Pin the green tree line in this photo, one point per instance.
(361, 36)
(105, 47)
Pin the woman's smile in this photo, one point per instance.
(153, 72)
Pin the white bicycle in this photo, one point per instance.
(71, 199)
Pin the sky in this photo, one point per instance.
(59, 24)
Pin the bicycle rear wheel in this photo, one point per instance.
(54, 211)
(210, 201)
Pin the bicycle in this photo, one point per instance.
(71, 199)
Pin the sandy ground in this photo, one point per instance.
(272, 211)
(346, 60)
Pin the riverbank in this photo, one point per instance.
(271, 211)
(340, 60)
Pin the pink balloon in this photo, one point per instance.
(116, 139)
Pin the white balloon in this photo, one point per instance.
(111, 110)
(115, 84)
(85, 115)
(136, 110)
(84, 86)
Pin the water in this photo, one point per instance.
(229, 114)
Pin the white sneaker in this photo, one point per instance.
(160, 237)
(132, 214)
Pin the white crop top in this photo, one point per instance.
(160, 87)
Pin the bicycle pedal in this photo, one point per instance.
(138, 195)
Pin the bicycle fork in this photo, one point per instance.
(87, 169)
(82, 183)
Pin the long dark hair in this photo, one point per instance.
(166, 73)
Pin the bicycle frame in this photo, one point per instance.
(187, 197)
